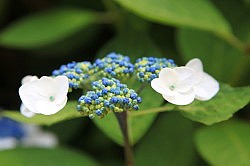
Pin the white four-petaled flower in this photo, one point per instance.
(205, 86)
(181, 85)
(43, 96)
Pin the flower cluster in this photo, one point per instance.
(114, 66)
(77, 73)
(108, 95)
(178, 85)
(181, 85)
(13, 134)
(148, 68)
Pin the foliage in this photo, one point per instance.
(230, 138)
(39, 156)
(217, 32)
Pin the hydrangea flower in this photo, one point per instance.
(175, 85)
(181, 85)
(205, 86)
(45, 95)
(13, 134)
(108, 95)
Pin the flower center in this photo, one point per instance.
(171, 87)
(51, 98)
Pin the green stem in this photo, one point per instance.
(234, 41)
(154, 110)
(112, 8)
(123, 123)
(107, 18)
(141, 88)
(240, 70)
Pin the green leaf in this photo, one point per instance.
(42, 157)
(66, 130)
(225, 143)
(220, 108)
(168, 143)
(137, 125)
(201, 14)
(236, 18)
(217, 56)
(68, 112)
(45, 28)
(69, 45)
(110, 127)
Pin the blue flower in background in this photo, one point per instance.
(10, 128)
(13, 134)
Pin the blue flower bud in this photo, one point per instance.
(133, 95)
(88, 100)
(98, 112)
(139, 100)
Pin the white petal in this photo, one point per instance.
(195, 64)
(62, 84)
(184, 72)
(47, 86)
(180, 98)
(159, 86)
(7, 143)
(29, 78)
(30, 94)
(186, 78)
(168, 76)
(48, 107)
(206, 88)
(24, 111)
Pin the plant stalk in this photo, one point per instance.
(128, 151)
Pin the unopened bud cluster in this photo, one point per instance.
(108, 95)
(114, 66)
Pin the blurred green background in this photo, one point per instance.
(36, 37)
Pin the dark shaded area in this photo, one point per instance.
(15, 64)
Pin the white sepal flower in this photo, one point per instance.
(175, 85)
(24, 110)
(45, 95)
(205, 86)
